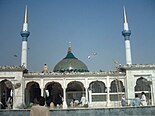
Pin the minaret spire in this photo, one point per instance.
(25, 25)
(24, 33)
(125, 20)
(26, 15)
(126, 33)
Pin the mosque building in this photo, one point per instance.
(71, 80)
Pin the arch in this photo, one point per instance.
(5, 92)
(32, 91)
(75, 86)
(75, 90)
(142, 85)
(117, 86)
(55, 93)
(116, 89)
(97, 87)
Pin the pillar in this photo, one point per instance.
(90, 96)
(42, 87)
(108, 90)
(86, 87)
(153, 90)
(64, 94)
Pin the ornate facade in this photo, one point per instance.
(101, 89)
(71, 80)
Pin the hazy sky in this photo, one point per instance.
(93, 26)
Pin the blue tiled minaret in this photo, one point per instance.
(126, 33)
(24, 33)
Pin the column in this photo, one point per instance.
(23, 90)
(153, 90)
(17, 97)
(86, 93)
(130, 84)
(108, 90)
(64, 94)
(90, 96)
(86, 88)
(42, 87)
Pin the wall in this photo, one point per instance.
(129, 111)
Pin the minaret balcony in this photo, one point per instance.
(25, 33)
(126, 33)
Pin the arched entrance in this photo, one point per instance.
(5, 93)
(54, 93)
(143, 85)
(116, 90)
(32, 92)
(75, 90)
(98, 91)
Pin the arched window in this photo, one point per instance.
(75, 90)
(117, 86)
(5, 92)
(142, 85)
(98, 91)
(54, 93)
(97, 87)
(116, 90)
(32, 92)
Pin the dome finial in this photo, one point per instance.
(69, 48)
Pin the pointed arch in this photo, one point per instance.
(54, 93)
(117, 86)
(32, 91)
(116, 90)
(5, 92)
(142, 84)
(98, 90)
(75, 90)
(97, 87)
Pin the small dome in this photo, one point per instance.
(70, 64)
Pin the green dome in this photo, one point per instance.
(70, 64)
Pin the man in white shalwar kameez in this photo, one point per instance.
(143, 99)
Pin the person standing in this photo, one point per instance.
(40, 109)
(136, 101)
(45, 69)
(123, 101)
(143, 99)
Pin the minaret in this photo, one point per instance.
(24, 33)
(126, 33)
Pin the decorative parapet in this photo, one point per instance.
(73, 74)
(11, 68)
(137, 66)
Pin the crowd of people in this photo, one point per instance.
(135, 102)
(40, 109)
(77, 103)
